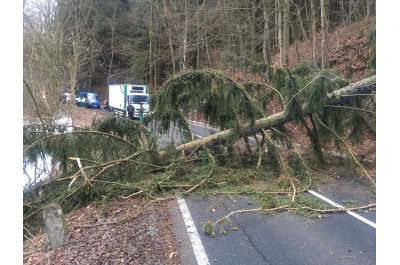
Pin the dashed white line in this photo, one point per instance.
(359, 217)
(198, 248)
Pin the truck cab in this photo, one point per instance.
(139, 100)
(129, 100)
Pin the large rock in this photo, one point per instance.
(56, 225)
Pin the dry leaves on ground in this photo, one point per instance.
(119, 232)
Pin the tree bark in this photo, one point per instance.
(279, 26)
(300, 20)
(324, 41)
(198, 35)
(267, 38)
(286, 31)
(369, 5)
(150, 29)
(185, 37)
(340, 96)
(266, 34)
(168, 28)
(313, 33)
(253, 28)
(351, 2)
(112, 28)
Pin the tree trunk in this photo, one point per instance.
(300, 19)
(324, 40)
(184, 62)
(343, 11)
(286, 30)
(295, 44)
(350, 10)
(313, 33)
(369, 5)
(279, 25)
(168, 27)
(150, 28)
(253, 28)
(91, 66)
(340, 96)
(207, 51)
(198, 35)
(112, 28)
(242, 47)
(266, 37)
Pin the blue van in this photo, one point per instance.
(88, 100)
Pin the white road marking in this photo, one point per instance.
(359, 217)
(198, 248)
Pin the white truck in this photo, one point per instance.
(128, 100)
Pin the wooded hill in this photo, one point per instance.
(70, 45)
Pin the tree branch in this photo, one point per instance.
(340, 96)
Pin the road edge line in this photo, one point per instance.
(359, 217)
(197, 246)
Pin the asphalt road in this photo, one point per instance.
(284, 237)
(280, 238)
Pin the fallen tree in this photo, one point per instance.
(340, 96)
(120, 157)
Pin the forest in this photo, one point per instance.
(281, 72)
(83, 44)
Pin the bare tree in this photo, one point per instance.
(369, 8)
(253, 23)
(112, 25)
(313, 32)
(59, 50)
(279, 26)
(266, 33)
(42, 63)
(185, 37)
(324, 39)
(169, 28)
(285, 33)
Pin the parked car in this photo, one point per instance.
(66, 98)
(88, 100)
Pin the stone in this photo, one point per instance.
(56, 225)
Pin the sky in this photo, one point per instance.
(388, 176)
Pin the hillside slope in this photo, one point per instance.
(348, 50)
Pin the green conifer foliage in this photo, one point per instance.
(113, 137)
(222, 101)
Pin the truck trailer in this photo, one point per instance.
(129, 100)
